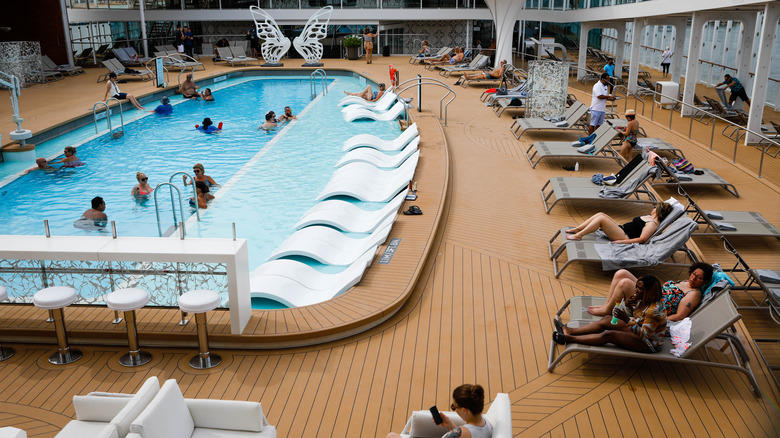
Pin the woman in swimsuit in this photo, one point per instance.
(680, 298)
(202, 191)
(112, 89)
(200, 176)
(468, 403)
(368, 94)
(206, 95)
(70, 159)
(629, 134)
(368, 43)
(447, 59)
(637, 231)
(640, 329)
(142, 189)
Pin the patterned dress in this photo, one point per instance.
(649, 324)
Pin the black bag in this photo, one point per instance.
(501, 91)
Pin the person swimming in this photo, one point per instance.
(208, 126)
(142, 189)
(165, 106)
(70, 159)
(270, 122)
(207, 96)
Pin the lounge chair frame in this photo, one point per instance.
(574, 115)
(709, 178)
(113, 65)
(747, 223)
(605, 136)
(714, 321)
(439, 54)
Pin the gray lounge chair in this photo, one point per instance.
(658, 145)
(573, 117)
(439, 54)
(707, 178)
(225, 54)
(183, 62)
(478, 63)
(564, 149)
(631, 188)
(714, 321)
(50, 72)
(113, 65)
(731, 223)
(69, 69)
(240, 54)
(508, 76)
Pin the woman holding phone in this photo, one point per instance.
(468, 402)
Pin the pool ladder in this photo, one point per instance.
(319, 73)
(171, 188)
(99, 104)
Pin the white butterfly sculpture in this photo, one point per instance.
(275, 44)
(308, 42)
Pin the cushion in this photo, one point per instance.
(12, 432)
(500, 416)
(199, 301)
(226, 414)
(97, 408)
(166, 416)
(421, 424)
(92, 429)
(55, 297)
(124, 300)
(137, 404)
(3, 293)
(222, 433)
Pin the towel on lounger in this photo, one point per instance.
(656, 250)
(725, 226)
(768, 276)
(713, 214)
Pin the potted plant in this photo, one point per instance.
(352, 43)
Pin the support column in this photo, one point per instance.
(582, 57)
(675, 69)
(505, 14)
(761, 80)
(620, 48)
(66, 29)
(746, 52)
(692, 66)
(143, 28)
(636, 43)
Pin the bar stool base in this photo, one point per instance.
(64, 359)
(6, 353)
(204, 363)
(142, 358)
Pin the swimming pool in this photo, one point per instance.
(269, 180)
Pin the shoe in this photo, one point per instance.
(413, 210)
(558, 325)
(557, 337)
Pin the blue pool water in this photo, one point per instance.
(269, 179)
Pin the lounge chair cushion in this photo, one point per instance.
(167, 416)
(136, 405)
(226, 414)
(421, 424)
(92, 429)
(97, 408)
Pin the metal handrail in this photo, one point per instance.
(319, 73)
(194, 190)
(173, 207)
(108, 114)
(419, 81)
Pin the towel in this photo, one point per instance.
(713, 214)
(768, 276)
(719, 280)
(680, 333)
(683, 178)
(562, 124)
(646, 145)
(725, 226)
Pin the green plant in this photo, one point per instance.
(352, 41)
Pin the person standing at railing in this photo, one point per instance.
(189, 41)
(666, 59)
(609, 68)
(737, 89)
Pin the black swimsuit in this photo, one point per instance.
(634, 228)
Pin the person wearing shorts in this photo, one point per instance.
(737, 90)
(598, 103)
(112, 89)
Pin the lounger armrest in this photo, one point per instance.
(227, 414)
(99, 407)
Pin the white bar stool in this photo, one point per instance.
(5, 352)
(54, 299)
(199, 302)
(128, 301)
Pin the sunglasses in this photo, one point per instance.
(196, 170)
(144, 179)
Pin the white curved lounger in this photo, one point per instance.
(359, 181)
(349, 217)
(382, 104)
(379, 158)
(372, 141)
(349, 100)
(329, 246)
(364, 113)
(296, 284)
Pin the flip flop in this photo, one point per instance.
(558, 325)
(413, 210)
(557, 338)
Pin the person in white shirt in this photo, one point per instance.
(598, 103)
(666, 59)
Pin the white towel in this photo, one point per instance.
(680, 332)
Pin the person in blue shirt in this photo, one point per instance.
(609, 68)
(737, 89)
(165, 106)
(208, 126)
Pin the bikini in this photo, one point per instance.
(634, 228)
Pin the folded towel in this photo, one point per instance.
(576, 143)
(768, 276)
(683, 178)
(725, 226)
(645, 145)
(586, 149)
(712, 214)
(562, 124)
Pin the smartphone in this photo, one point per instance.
(436, 415)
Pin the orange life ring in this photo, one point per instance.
(393, 75)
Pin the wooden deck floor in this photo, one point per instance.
(479, 312)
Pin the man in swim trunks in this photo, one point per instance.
(165, 106)
(496, 73)
(96, 212)
(188, 88)
(288, 115)
(270, 122)
(368, 94)
(41, 165)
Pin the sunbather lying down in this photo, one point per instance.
(641, 327)
(638, 230)
(496, 73)
(680, 298)
(447, 59)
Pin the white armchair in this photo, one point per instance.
(170, 415)
(107, 415)
(420, 424)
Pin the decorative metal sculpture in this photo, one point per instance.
(308, 42)
(275, 44)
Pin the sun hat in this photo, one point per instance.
(630, 112)
(165, 100)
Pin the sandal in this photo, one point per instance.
(413, 210)
(557, 337)
(558, 325)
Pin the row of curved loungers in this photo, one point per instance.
(372, 170)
